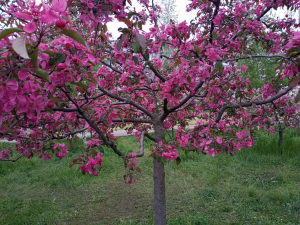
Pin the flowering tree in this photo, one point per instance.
(62, 74)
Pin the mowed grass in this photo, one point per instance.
(256, 186)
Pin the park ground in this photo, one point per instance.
(255, 186)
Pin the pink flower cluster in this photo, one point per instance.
(132, 162)
(289, 71)
(166, 151)
(4, 154)
(171, 154)
(93, 143)
(63, 150)
(90, 166)
(129, 180)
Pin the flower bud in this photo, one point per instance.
(50, 104)
(61, 66)
(60, 23)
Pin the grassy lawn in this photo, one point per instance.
(256, 186)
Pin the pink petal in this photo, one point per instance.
(49, 16)
(22, 99)
(12, 85)
(91, 58)
(23, 16)
(59, 5)
(30, 27)
(8, 106)
(22, 74)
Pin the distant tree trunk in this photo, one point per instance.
(160, 214)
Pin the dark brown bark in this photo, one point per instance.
(160, 215)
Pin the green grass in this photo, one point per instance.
(256, 186)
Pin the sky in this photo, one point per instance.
(182, 15)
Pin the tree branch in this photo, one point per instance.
(126, 100)
(150, 137)
(131, 120)
(12, 160)
(114, 69)
(212, 26)
(181, 102)
(248, 104)
(241, 30)
(141, 145)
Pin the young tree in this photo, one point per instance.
(61, 75)
(169, 12)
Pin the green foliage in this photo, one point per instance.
(260, 70)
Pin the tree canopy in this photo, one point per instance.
(63, 74)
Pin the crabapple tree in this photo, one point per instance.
(62, 73)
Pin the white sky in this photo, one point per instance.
(181, 10)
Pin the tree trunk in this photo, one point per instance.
(160, 215)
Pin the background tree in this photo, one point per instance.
(169, 12)
(51, 90)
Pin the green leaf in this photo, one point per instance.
(101, 149)
(69, 88)
(93, 79)
(197, 49)
(294, 82)
(34, 58)
(49, 53)
(297, 98)
(103, 119)
(135, 59)
(219, 65)
(41, 73)
(6, 32)
(189, 79)
(49, 110)
(140, 25)
(92, 152)
(135, 47)
(75, 36)
(58, 58)
(82, 85)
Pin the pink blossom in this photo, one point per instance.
(4, 154)
(63, 150)
(219, 140)
(171, 154)
(240, 135)
(244, 68)
(30, 27)
(132, 163)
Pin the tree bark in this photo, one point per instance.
(160, 215)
